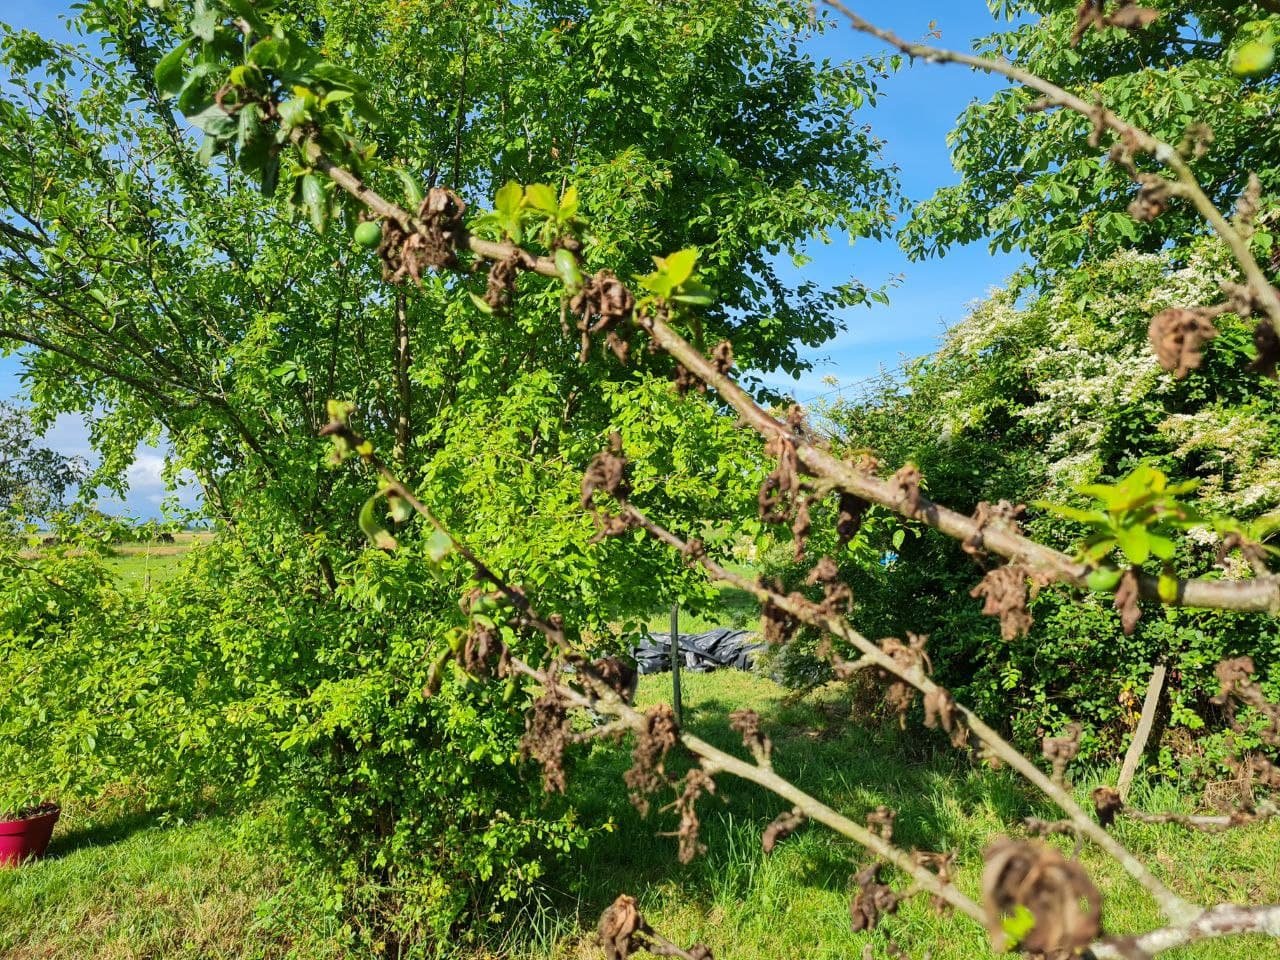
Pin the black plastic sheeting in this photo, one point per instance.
(702, 652)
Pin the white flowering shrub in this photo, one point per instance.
(1030, 397)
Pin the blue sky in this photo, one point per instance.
(918, 107)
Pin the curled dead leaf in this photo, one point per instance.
(1024, 877)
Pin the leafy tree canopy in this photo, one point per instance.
(1032, 180)
(164, 292)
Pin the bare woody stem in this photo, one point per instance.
(1257, 596)
(1135, 137)
(1173, 906)
(1220, 921)
(1209, 823)
(715, 760)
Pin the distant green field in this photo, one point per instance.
(125, 887)
(144, 565)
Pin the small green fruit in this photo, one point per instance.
(368, 234)
(1253, 58)
(567, 267)
(1103, 579)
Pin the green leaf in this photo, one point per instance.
(1184, 486)
(372, 526)
(1162, 548)
(247, 11)
(1135, 542)
(412, 192)
(194, 94)
(508, 200)
(481, 303)
(1104, 579)
(438, 546)
(314, 201)
(169, 75)
(541, 197)
(1097, 548)
(1254, 58)
(270, 53)
(205, 25)
(249, 125)
(1017, 925)
(569, 203)
(293, 112)
(215, 122)
(567, 268)
(679, 265)
(695, 294)
(399, 508)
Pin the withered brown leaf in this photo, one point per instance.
(1004, 594)
(1126, 601)
(1064, 902)
(1178, 336)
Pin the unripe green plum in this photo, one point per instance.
(368, 234)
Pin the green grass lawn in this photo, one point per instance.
(127, 887)
(134, 887)
(795, 903)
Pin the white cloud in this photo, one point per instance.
(147, 490)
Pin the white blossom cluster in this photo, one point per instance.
(1084, 353)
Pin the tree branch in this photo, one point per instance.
(1221, 921)
(1173, 906)
(1266, 295)
(1251, 596)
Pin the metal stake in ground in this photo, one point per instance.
(676, 700)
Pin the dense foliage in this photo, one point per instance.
(217, 300)
(1032, 396)
(1033, 180)
(164, 298)
(1050, 384)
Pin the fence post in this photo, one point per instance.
(676, 699)
(1139, 742)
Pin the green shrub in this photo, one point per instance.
(1029, 397)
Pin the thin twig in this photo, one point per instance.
(1207, 823)
(1133, 136)
(1249, 596)
(1227, 919)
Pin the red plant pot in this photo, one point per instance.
(28, 837)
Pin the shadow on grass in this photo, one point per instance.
(943, 802)
(101, 832)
